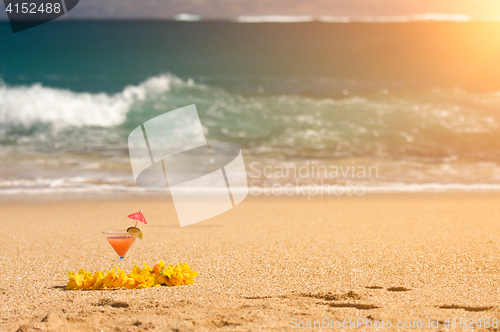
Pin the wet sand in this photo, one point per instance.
(272, 263)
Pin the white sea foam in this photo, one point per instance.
(307, 190)
(87, 189)
(274, 18)
(26, 105)
(334, 19)
(325, 190)
(187, 17)
(416, 17)
(367, 19)
(432, 187)
(440, 17)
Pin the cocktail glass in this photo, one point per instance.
(120, 240)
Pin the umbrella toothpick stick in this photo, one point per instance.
(137, 220)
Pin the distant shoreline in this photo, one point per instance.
(428, 17)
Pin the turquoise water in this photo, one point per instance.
(419, 100)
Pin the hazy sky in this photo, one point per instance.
(233, 8)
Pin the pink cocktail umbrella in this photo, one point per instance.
(138, 216)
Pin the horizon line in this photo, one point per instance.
(184, 17)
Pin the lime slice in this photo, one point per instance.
(135, 230)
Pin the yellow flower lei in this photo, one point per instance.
(157, 276)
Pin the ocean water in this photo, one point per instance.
(417, 101)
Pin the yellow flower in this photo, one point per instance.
(109, 278)
(147, 280)
(186, 271)
(168, 272)
(176, 280)
(143, 277)
(80, 280)
(99, 280)
(131, 283)
(75, 281)
(157, 268)
(160, 274)
(135, 270)
(88, 279)
(177, 268)
(147, 268)
(120, 278)
(161, 279)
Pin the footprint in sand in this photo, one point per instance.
(398, 289)
(466, 308)
(332, 298)
(114, 304)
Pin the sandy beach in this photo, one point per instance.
(266, 265)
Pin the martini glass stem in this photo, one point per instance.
(121, 262)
